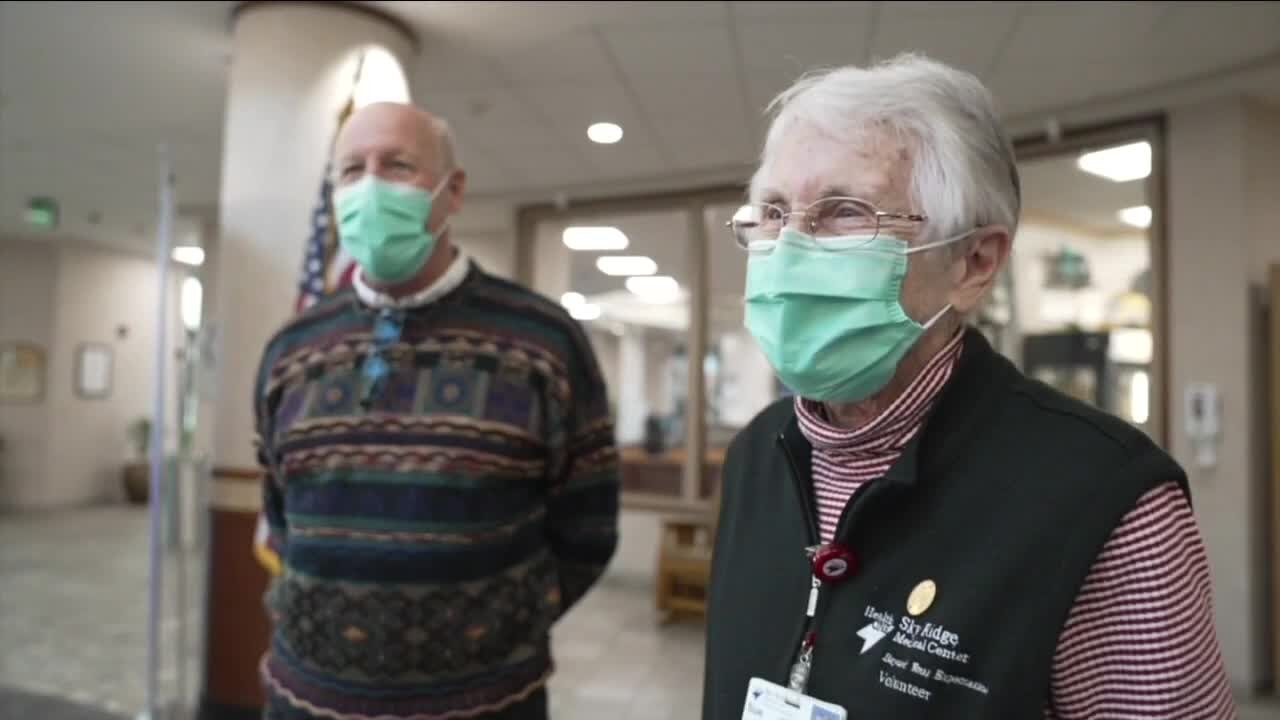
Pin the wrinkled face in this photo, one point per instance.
(398, 144)
(388, 142)
(807, 165)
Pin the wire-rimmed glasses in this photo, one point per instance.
(756, 226)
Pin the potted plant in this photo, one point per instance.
(137, 472)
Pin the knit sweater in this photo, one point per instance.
(430, 539)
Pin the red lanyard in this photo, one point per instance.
(830, 564)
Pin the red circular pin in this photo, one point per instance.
(833, 563)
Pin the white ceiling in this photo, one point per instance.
(87, 90)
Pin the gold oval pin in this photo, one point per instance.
(921, 598)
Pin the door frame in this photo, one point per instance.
(1153, 129)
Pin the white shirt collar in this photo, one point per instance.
(453, 276)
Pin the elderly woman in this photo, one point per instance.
(923, 531)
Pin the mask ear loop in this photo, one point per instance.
(435, 193)
(930, 246)
(936, 317)
(940, 243)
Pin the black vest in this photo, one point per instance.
(1002, 502)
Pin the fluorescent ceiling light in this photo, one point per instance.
(654, 288)
(1138, 216)
(594, 238)
(605, 133)
(622, 265)
(189, 255)
(585, 311)
(572, 299)
(1121, 163)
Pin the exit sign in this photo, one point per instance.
(42, 213)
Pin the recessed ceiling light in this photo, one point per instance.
(572, 299)
(1138, 216)
(605, 133)
(594, 238)
(585, 311)
(188, 255)
(1121, 163)
(654, 288)
(625, 265)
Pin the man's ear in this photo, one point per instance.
(456, 189)
(975, 272)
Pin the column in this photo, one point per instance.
(1224, 154)
(293, 68)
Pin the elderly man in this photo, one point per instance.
(923, 532)
(442, 477)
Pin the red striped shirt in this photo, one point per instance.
(843, 459)
(1139, 641)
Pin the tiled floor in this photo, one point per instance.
(73, 607)
(73, 602)
(73, 610)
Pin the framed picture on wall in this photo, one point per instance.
(22, 372)
(93, 371)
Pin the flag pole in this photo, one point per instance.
(164, 239)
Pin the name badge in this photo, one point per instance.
(767, 701)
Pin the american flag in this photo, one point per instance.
(325, 267)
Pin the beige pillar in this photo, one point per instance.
(1224, 177)
(293, 68)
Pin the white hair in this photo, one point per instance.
(963, 170)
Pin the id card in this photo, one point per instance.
(767, 701)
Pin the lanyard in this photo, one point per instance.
(830, 564)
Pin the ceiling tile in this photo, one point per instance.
(945, 8)
(1093, 31)
(1248, 30)
(567, 57)
(490, 118)
(490, 27)
(765, 84)
(573, 107)
(683, 48)
(793, 11)
(1043, 85)
(699, 116)
(802, 46)
(542, 166)
(969, 41)
(446, 67)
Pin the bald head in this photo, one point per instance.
(386, 138)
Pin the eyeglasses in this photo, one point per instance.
(756, 226)
(386, 332)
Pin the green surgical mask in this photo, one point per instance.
(831, 322)
(383, 227)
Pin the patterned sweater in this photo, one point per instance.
(430, 541)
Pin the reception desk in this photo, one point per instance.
(657, 481)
